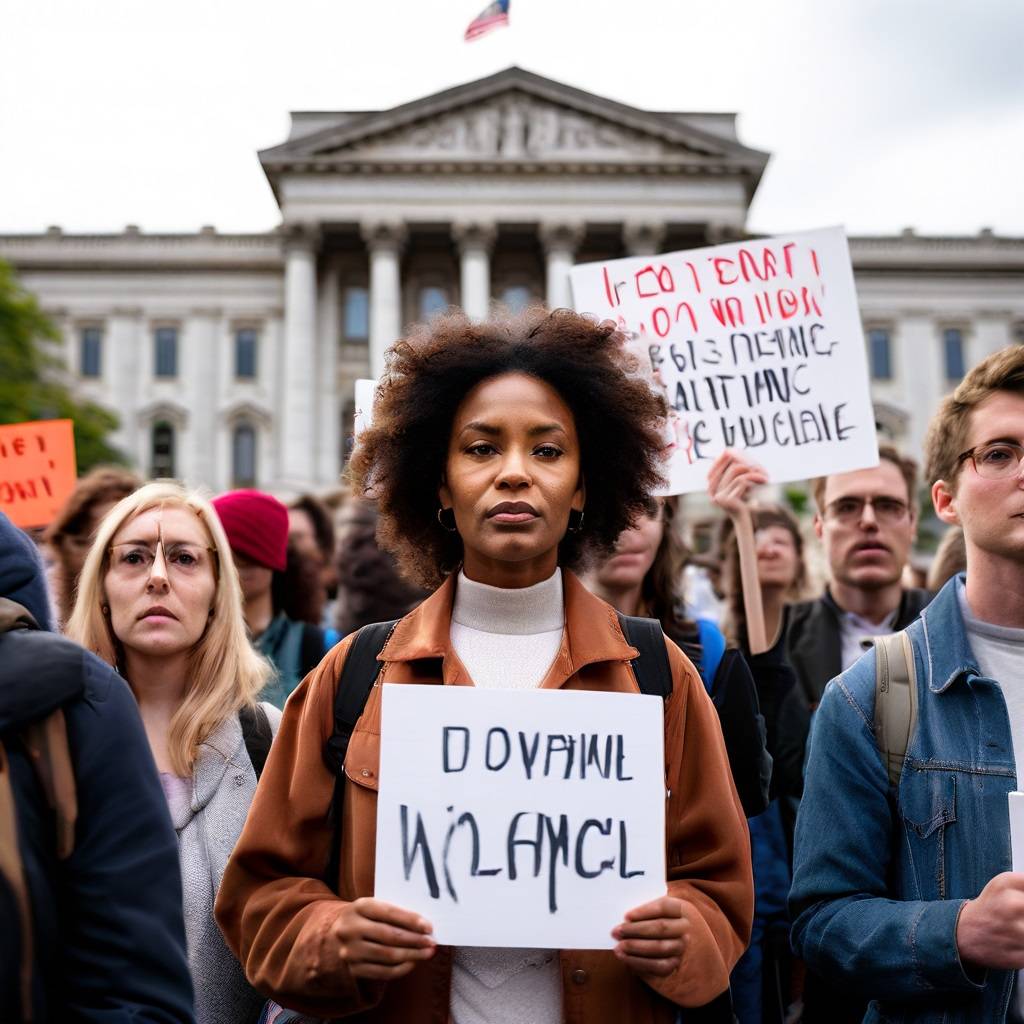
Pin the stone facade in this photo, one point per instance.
(230, 359)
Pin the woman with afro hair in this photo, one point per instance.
(502, 455)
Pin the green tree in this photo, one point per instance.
(32, 377)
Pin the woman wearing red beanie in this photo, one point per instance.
(274, 576)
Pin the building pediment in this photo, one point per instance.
(163, 412)
(509, 120)
(247, 411)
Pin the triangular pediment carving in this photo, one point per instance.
(513, 128)
(509, 119)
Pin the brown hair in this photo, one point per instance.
(947, 433)
(906, 465)
(320, 517)
(950, 558)
(297, 589)
(661, 590)
(400, 460)
(370, 587)
(762, 517)
(100, 486)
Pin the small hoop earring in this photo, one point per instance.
(575, 520)
(446, 516)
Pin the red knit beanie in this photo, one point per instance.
(256, 525)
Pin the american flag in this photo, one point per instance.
(492, 16)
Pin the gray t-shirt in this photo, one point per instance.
(1000, 654)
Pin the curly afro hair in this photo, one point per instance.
(400, 461)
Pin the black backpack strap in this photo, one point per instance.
(358, 676)
(257, 734)
(652, 669)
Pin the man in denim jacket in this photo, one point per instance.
(905, 895)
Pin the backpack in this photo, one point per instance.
(46, 741)
(257, 735)
(895, 700)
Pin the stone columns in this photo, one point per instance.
(643, 239)
(560, 242)
(991, 332)
(298, 366)
(123, 360)
(385, 240)
(328, 464)
(918, 359)
(475, 242)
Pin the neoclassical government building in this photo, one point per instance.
(230, 359)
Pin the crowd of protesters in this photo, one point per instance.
(177, 844)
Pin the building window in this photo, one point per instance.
(953, 352)
(880, 354)
(91, 352)
(516, 298)
(165, 360)
(243, 456)
(245, 353)
(432, 300)
(356, 315)
(162, 461)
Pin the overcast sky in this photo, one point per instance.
(879, 114)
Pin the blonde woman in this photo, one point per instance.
(158, 598)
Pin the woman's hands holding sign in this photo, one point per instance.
(653, 938)
(381, 941)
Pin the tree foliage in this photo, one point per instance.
(32, 378)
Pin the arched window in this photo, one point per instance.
(243, 456)
(432, 300)
(162, 450)
(516, 298)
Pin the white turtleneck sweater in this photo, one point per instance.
(507, 639)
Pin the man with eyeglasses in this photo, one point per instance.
(903, 889)
(866, 521)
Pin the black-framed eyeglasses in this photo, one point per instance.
(999, 460)
(850, 509)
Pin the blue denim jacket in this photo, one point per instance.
(880, 877)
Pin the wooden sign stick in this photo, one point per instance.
(743, 526)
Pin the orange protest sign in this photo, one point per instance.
(37, 470)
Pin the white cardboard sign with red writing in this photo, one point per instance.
(758, 346)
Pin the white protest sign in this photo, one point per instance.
(758, 346)
(520, 818)
(365, 393)
(1016, 831)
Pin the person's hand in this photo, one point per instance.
(653, 938)
(990, 929)
(731, 479)
(381, 941)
